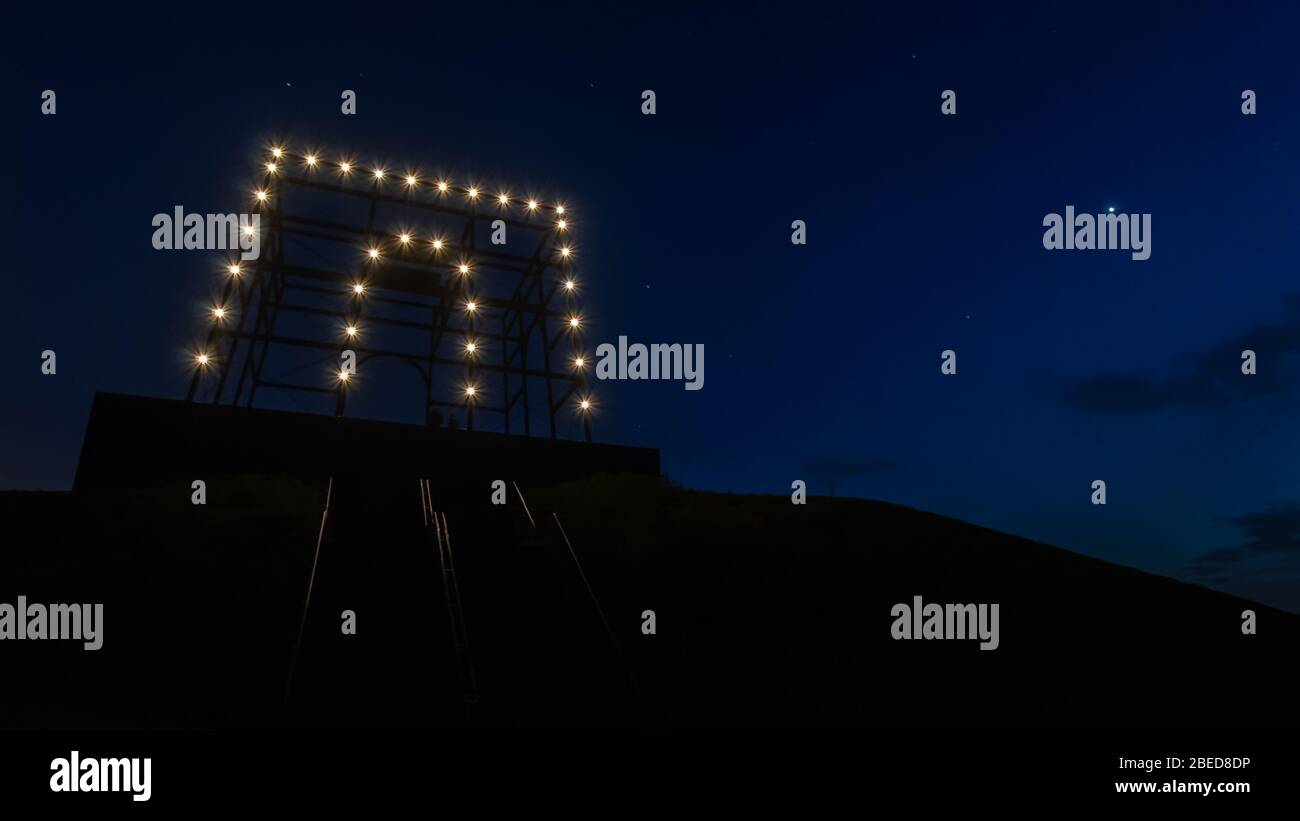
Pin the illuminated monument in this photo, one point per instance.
(365, 272)
(473, 288)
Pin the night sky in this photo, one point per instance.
(822, 361)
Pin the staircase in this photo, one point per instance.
(470, 616)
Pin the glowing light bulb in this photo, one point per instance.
(271, 167)
(344, 375)
(559, 209)
(248, 230)
(411, 181)
(579, 362)
(562, 224)
(470, 390)
(379, 173)
(471, 306)
(219, 313)
(503, 199)
(569, 285)
(234, 269)
(470, 347)
(437, 245)
(404, 238)
(442, 186)
(201, 360)
(350, 330)
(532, 205)
(463, 268)
(261, 196)
(585, 404)
(574, 322)
(277, 152)
(565, 251)
(374, 253)
(358, 288)
(345, 167)
(311, 160)
(472, 192)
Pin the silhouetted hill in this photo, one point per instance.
(769, 616)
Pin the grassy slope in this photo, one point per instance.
(769, 615)
(200, 602)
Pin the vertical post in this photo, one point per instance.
(505, 374)
(545, 309)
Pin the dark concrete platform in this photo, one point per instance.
(135, 440)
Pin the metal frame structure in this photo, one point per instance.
(372, 255)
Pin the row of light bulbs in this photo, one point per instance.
(379, 174)
(439, 245)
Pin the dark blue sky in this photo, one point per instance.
(822, 362)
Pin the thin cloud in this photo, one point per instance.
(1206, 378)
(1271, 531)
